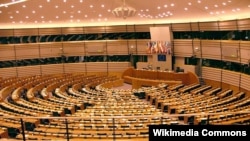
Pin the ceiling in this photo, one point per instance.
(72, 13)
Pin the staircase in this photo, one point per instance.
(201, 80)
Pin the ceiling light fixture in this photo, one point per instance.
(124, 11)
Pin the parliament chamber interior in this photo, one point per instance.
(112, 81)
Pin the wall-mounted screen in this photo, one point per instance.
(162, 57)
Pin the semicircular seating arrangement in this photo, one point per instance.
(77, 106)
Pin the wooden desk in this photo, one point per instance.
(186, 78)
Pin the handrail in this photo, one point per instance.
(118, 117)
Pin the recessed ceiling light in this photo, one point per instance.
(171, 4)
(33, 12)
(64, 12)
(78, 11)
(57, 17)
(165, 6)
(40, 6)
(56, 6)
(215, 5)
(91, 6)
(186, 8)
(72, 6)
(24, 6)
(42, 17)
(206, 7)
(109, 10)
(27, 17)
(0, 11)
(224, 3)
(17, 11)
(100, 15)
(85, 16)
(102, 5)
(71, 16)
(189, 3)
(158, 7)
(11, 17)
(81, 1)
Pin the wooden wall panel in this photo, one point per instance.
(132, 46)
(243, 24)
(28, 71)
(94, 29)
(141, 46)
(245, 82)
(7, 52)
(143, 28)
(183, 48)
(181, 27)
(228, 25)
(26, 32)
(116, 29)
(211, 49)
(195, 26)
(245, 51)
(208, 26)
(27, 51)
(118, 66)
(72, 30)
(231, 78)
(8, 72)
(6, 32)
(230, 51)
(74, 67)
(211, 73)
(52, 69)
(196, 48)
(73, 48)
(96, 47)
(51, 50)
(50, 31)
(117, 47)
(97, 67)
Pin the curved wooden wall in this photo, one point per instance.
(226, 79)
(111, 68)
